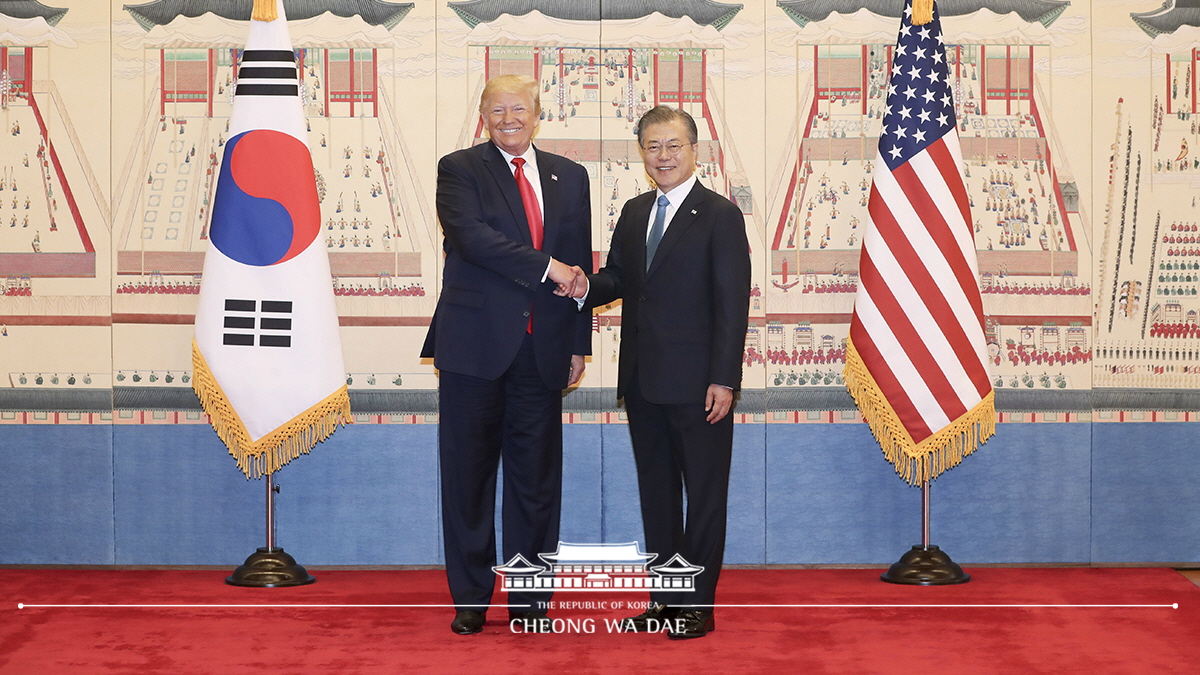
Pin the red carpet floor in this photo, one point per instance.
(1096, 640)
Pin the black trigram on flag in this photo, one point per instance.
(267, 72)
(274, 323)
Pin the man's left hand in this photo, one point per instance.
(577, 366)
(717, 402)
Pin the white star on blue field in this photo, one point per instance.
(920, 108)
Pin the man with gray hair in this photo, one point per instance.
(505, 345)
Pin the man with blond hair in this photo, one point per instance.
(516, 220)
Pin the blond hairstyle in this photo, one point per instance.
(511, 84)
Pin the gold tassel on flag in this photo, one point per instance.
(273, 451)
(933, 456)
(921, 15)
(265, 10)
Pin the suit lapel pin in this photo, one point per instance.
(693, 212)
(553, 177)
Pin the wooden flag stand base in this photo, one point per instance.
(925, 565)
(269, 566)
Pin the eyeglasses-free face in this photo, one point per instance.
(511, 120)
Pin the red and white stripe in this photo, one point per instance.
(918, 316)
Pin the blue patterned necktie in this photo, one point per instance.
(656, 232)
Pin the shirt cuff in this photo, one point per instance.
(582, 301)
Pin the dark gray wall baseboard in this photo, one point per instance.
(599, 400)
(56, 400)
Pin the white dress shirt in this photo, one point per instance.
(675, 197)
(535, 179)
(531, 173)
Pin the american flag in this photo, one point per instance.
(916, 359)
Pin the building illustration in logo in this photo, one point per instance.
(598, 567)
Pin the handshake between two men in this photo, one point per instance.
(572, 281)
(500, 360)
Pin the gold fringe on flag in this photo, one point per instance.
(922, 12)
(271, 452)
(264, 10)
(916, 462)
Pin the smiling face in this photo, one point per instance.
(668, 153)
(511, 119)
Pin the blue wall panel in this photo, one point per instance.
(1146, 492)
(1021, 497)
(799, 493)
(366, 496)
(745, 539)
(583, 484)
(179, 498)
(56, 499)
(621, 519)
(832, 498)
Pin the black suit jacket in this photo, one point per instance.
(683, 321)
(493, 274)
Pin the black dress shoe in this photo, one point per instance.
(529, 622)
(691, 623)
(655, 612)
(467, 622)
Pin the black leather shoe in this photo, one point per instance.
(467, 622)
(529, 622)
(691, 623)
(655, 612)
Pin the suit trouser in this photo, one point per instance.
(514, 417)
(675, 447)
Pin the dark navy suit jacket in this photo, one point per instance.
(683, 321)
(493, 274)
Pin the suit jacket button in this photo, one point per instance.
(642, 298)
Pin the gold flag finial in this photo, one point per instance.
(264, 10)
(922, 12)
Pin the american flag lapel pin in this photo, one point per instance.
(553, 177)
(693, 212)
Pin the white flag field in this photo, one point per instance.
(267, 356)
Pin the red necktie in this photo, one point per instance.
(529, 198)
(532, 213)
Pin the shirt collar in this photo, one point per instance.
(681, 191)
(530, 156)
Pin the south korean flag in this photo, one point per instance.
(267, 357)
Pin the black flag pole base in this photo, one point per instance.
(270, 568)
(925, 566)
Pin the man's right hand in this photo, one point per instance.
(572, 281)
